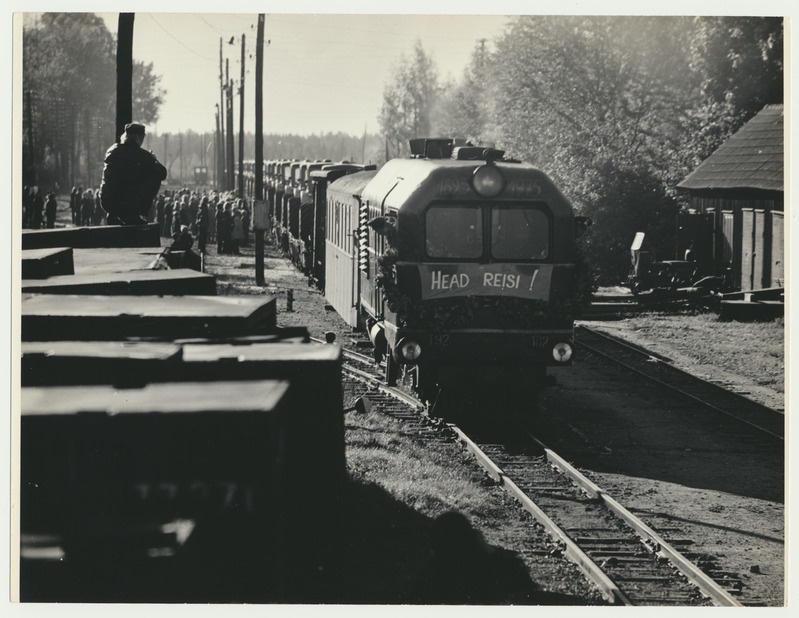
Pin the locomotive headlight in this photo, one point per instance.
(488, 181)
(562, 352)
(410, 350)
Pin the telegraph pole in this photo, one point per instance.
(230, 146)
(180, 151)
(241, 123)
(363, 145)
(218, 150)
(31, 171)
(124, 72)
(259, 148)
(221, 111)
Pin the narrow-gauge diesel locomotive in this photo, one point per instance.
(462, 266)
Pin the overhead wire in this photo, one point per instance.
(177, 40)
(223, 31)
(207, 23)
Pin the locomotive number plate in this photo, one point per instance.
(439, 340)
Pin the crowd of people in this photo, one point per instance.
(40, 212)
(37, 211)
(209, 216)
(130, 194)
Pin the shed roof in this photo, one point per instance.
(752, 158)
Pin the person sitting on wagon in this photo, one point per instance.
(131, 178)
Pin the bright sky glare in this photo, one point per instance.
(321, 72)
(326, 63)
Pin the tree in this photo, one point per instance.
(409, 100)
(69, 67)
(741, 59)
(148, 96)
(619, 109)
(738, 66)
(465, 110)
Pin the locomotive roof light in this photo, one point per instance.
(409, 350)
(562, 352)
(488, 180)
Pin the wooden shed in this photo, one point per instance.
(735, 218)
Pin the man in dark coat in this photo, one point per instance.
(74, 204)
(37, 205)
(131, 179)
(159, 210)
(50, 210)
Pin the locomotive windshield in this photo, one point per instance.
(454, 232)
(518, 232)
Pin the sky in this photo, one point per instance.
(321, 72)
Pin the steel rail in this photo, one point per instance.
(694, 574)
(626, 344)
(389, 390)
(676, 389)
(607, 588)
(347, 352)
(605, 585)
(668, 362)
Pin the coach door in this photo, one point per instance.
(371, 245)
(339, 262)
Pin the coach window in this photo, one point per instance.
(342, 224)
(338, 224)
(519, 233)
(454, 232)
(347, 232)
(342, 216)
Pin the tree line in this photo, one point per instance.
(617, 110)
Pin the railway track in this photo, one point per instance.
(611, 308)
(764, 420)
(628, 562)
